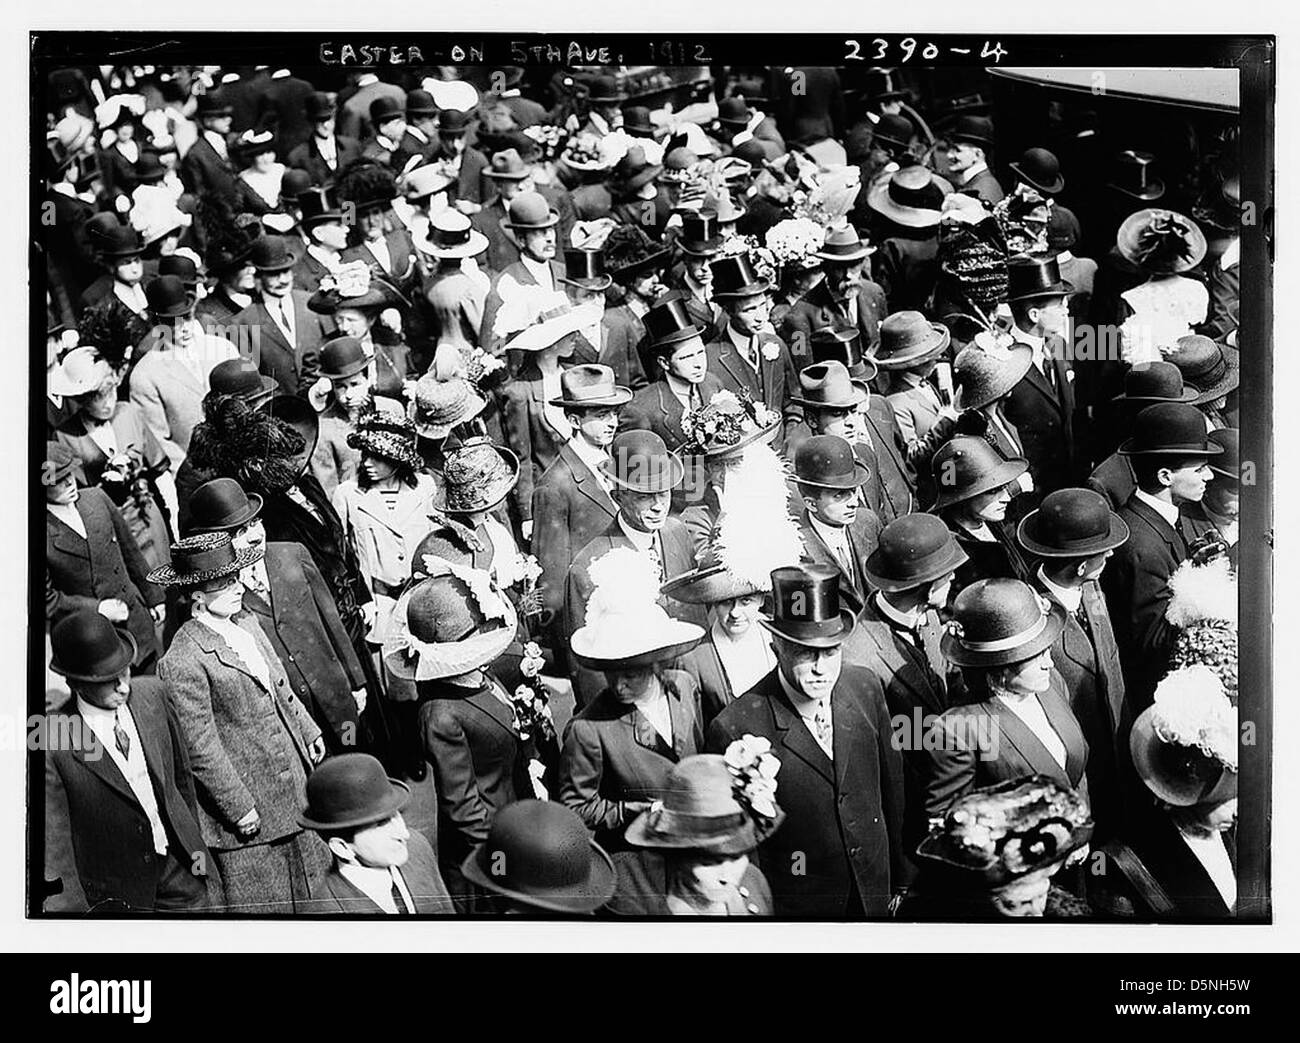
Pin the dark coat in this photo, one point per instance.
(816, 110)
(892, 488)
(111, 836)
(911, 677)
(402, 272)
(907, 268)
(206, 174)
(988, 560)
(983, 186)
(64, 237)
(619, 336)
(306, 156)
(773, 383)
(293, 366)
(843, 819)
(502, 250)
(1044, 420)
(705, 667)
(217, 312)
(334, 894)
(284, 112)
(816, 310)
(863, 535)
(1113, 478)
(655, 408)
(529, 434)
(642, 888)
(303, 625)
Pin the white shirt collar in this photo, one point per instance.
(417, 133)
(805, 707)
(69, 515)
(539, 270)
(834, 536)
(908, 621)
(969, 173)
(1168, 511)
(642, 541)
(1069, 598)
(591, 456)
(376, 884)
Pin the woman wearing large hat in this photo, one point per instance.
(260, 179)
(1214, 370)
(619, 748)
(363, 306)
(251, 741)
(1162, 245)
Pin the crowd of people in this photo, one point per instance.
(707, 512)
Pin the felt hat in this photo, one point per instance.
(590, 386)
(350, 790)
(1169, 429)
(342, 357)
(507, 165)
(893, 131)
(734, 112)
(385, 108)
(1228, 463)
(1211, 368)
(633, 172)
(1041, 170)
(999, 622)
(530, 210)
(182, 266)
(477, 475)
(87, 647)
(149, 169)
(913, 550)
(806, 606)
(604, 90)
(908, 338)
(1184, 745)
(828, 385)
(319, 106)
(829, 462)
(641, 462)
(169, 297)
(272, 253)
(1072, 523)
(1162, 242)
(1063, 229)
(319, 205)
(241, 377)
(453, 122)
(911, 196)
(986, 376)
(420, 103)
(221, 505)
(966, 466)
(973, 130)
(636, 121)
(1156, 382)
(843, 246)
(212, 105)
(121, 243)
(201, 558)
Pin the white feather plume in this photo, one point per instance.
(624, 584)
(1202, 592)
(756, 532)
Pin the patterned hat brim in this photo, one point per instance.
(168, 576)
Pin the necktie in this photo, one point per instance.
(286, 319)
(693, 399)
(120, 738)
(822, 722)
(399, 901)
(656, 558)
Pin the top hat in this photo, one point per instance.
(893, 130)
(1134, 175)
(1029, 278)
(827, 385)
(668, 322)
(181, 266)
(1213, 369)
(829, 462)
(168, 297)
(986, 376)
(590, 386)
(530, 210)
(636, 121)
(241, 377)
(420, 103)
(121, 243)
(507, 165)
(843, 246)
(1156, 382)
(477, 474)
(604, 90)
(1184, 745)
(342, 357)
(319, 107)
(913, 550)
(843, 344)
(545, 857)
(699, 235)
(907, 339)
(1161, 242)
(350, 790)
(734, 277)
(319, 205)
(1169, 429)
(700, 812)
(212, 104)
(998, 622)
(967, 466)
(221, 505)
(385, 108)
(272, 253)
(87, 647)
(1072, 523)
(1228, 463)
(452, 235)
(203, 557)
(586, 268)
(639, 461)
(973, 130)
(149, 169)
(912, 197)
(806, 606)
(1040, 169)
(734, 112)
(1063, 229)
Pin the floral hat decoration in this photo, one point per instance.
(728, 422)
(1184, 745)
(1204, 609)
(794, 242)
(387, 432)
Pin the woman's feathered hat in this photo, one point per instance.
(1184, 745)
(1162, 242)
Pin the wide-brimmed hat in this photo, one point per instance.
(709, 582)
(241, 377)
(82, 371)
(699, 811)
(1156, 382)
(640, 461)
(586, 268)
(421, 182)
(972, 130)
(350, 790)
(1228, 463)
(1029, 278)
(557, 318)
(477, 475)
(1072, 523)
(298, 414)
(156, 216)
(451, 235)
(908, 338)
(1040, 169)
(1134, 175)
(87, 647)
(734, 277)
(1211, 368)
(1184, 745)
(633, 172)
(806, 606)
(1002, 832)
(168, 297)
(1169, 429)
(388, 433)
(454, 621)
(201, 558)
(843, 344)
(912, 197)
(967, 466)
(221, 505)
(272, 253)
(998, 622)
(529, 211)
(829, 462)
(354, 286)
(668, 322)
(590, 386)
(828, 385)
(539, 853)
(986, 376)
(913, 550)
(1162, 242)
(439, 405)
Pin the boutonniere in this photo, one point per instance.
(771, 350)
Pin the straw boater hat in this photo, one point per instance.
(477, 475)
(201, 558)
(966, 466)
(1000, 622)
(625, 626)
(385, 431)
(439, 405)
(451, 236)
(1184, 745)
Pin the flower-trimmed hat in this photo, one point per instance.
(1162, 242)
(999, 622)
(387, 432)
(1184, 745)
(477, 475)
(201, 558)
(354, 286)
(727, 424)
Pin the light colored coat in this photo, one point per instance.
(169, 392)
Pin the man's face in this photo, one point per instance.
(130, 271)
(838, 507)
(841, 422)
(1050, 315)
(843, 280)
(352, 391)
(224, 597)
(597, 426)
(393, 129)
(244, 280)
(698, 269)
(64, 491)
(107, 695)
(1094, 566)
(689, 362)
(371, 223)
(737, 615)
(454, 144)
(276, 284)
(383, 845)
(325, 127)
(585, 295)
(1187, 482)
(962, 156)
(249, 536)
(751, 315)
(332, 234)
(539, 243)
(812, 671)
(645, 512)
(219, 124)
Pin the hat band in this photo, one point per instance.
(693, 824)
(1217, 371)
(1004, 644)
(593, 391)
(916, 198)
(1079, 543)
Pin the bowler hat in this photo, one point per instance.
(507, 165)
(636, 121)
(385, 108)
(700, 235)
(240, 377)
(529, 210)
(806, 606)
(203, 557)
(590, 386)
(181, 266)
(998, 622)
(420, 103)
(212, 104)
(342, 357)
(1072, 523)
(1169, 429)
(967, 466)
(640, 462)
(586, 268)
(827, 385)
(668, 322)
(986, 376)
(1134, 175)
(272, 253)
(735, 112)
(320, 106)
(973, 130)
(604, 90)
(121, 243)
(893, 130)
(913, 550)
(221, 505)
(350, 790)
(908, 338)
(319, 206)
(453, 122)
(539, 853)
(87, 647)
(1040, 169)
(1213, 369)
(843, 344)
(843, 246)
(149, 168)
(828, 462)
(168, 297)
(1228, 463)
(734, 277)
(1156, 382)
(1031, 277)
(1063, 229)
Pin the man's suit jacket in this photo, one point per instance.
(1113, 478)
(816, 310)
(907, 267)
(217, 312)
(892, 488)
(617, 349)
(206, 174)
(293, 366)
(655, 408)
(863, 535)
(612, 754)
(705, 665)
(773, 383)
(839, 851)
(816, 110)
(107, 563)
(247, 745)
(303, 625)
(354, 112)
(1044, 420)
(916, 411)
(67, 252)
(402, 271)
(708, 314)
(170, 394)
(529, 434)
(335, 894)
(503, 250)
(911, 677)
(414, 143)
(308, 273)
(984, 186)
(306, 156)
(111, 835)
(284, 112)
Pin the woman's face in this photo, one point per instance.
(263, 162)
(129, 272)
(100, 404)
(1030, 677)
(371, 223)
(990, 506)
(223, 597)
(352, 391)
(125, 132)
(716, 878)
(352, 322)
(737, 615)
(631, 686)
(376, 468)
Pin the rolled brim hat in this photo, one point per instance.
(1028, 536)
(951, 558)
(108, 670)
(439, 405)
(666, 829)
(571, 899)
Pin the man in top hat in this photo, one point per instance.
(846, 297)
(970, 146)
(289, 596)
(381, 866)
(1074, 533)
(643, 475)
(839, 852)
(612, 340)
(1170, 453)
(388, 121)
(206, 168)
(327, 237)
(837, 529)
(748, 357)
(288, 333)
(168, 381)
(698, 243)
(124, 795)
(1042, 405)
(325, 152)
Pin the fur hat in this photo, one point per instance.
(264, 454)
